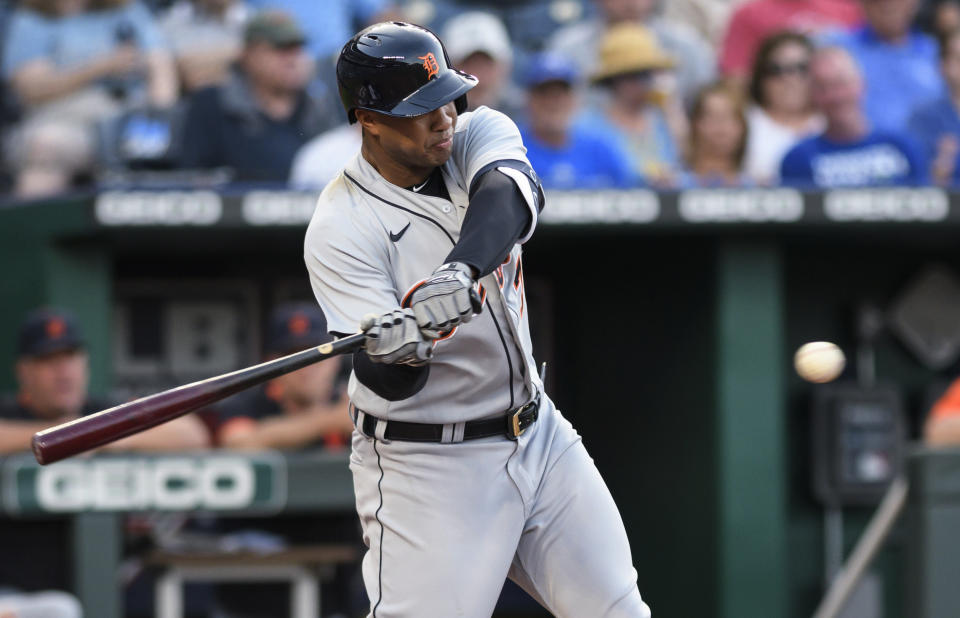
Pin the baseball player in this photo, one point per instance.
(465, 473)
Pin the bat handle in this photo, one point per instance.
(475, 301)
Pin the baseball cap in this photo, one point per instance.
(476, 31)
(549, 67)
(274, 27)
(296, 326)
(47, 331)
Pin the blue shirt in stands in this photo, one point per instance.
(930, 123)
(898, 77)
(879, 159)
(589, 160)
(76, 40)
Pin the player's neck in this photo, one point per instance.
(392, 171)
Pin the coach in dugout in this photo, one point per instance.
(303, 408)
(52, 372)
(850, 152)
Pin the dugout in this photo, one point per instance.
(668, 320)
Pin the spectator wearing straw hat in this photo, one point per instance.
(644, 119)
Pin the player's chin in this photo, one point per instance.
(437, 156)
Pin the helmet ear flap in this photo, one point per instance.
(461, 104)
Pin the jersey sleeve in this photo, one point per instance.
(347, 273)
(489, 136)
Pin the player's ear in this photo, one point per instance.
(368, 121)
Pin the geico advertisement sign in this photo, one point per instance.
(133, 484)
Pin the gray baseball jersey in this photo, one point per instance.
(370, 242)
(445, 523)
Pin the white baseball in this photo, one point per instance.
(819, 361)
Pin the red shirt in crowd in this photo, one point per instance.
(755, 20)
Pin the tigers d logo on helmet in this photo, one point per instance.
(430, 64)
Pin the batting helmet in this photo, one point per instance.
(399, 69)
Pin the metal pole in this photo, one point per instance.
(832, 542)
(866, 550)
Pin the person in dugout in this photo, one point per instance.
(303, 408)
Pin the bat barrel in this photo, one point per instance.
(90, 432)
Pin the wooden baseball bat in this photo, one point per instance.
(90, 432)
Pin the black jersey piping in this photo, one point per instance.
(377, 517)
(493, 316)
(389, 203)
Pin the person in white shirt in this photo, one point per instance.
(781, 114)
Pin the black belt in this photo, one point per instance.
(512, 424)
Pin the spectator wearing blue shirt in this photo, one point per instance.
(900, 64)
(849, 153)
(72, 65)
(936, 125)
(565, 154)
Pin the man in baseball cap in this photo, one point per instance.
(52, 373)
(296, 409)
(566, 154)
(478, 44)
(256, 120)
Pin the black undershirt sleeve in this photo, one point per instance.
(497, 217)
(392, 382)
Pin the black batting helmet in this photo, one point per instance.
(399, 69)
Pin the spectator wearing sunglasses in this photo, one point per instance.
(899, 63)
(755, 20)
(936, 125)
(781, 113)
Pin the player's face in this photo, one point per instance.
(55, 385)
(418, 143)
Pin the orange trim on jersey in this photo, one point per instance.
(405, 303)
(446, 335)
(948, 404)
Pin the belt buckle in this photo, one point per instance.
(514, 430)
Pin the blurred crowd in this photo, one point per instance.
(607, 93)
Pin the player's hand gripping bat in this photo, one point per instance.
(90, 432)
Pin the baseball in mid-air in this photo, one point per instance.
(819, 361)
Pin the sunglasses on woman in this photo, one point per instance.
(794, 68)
